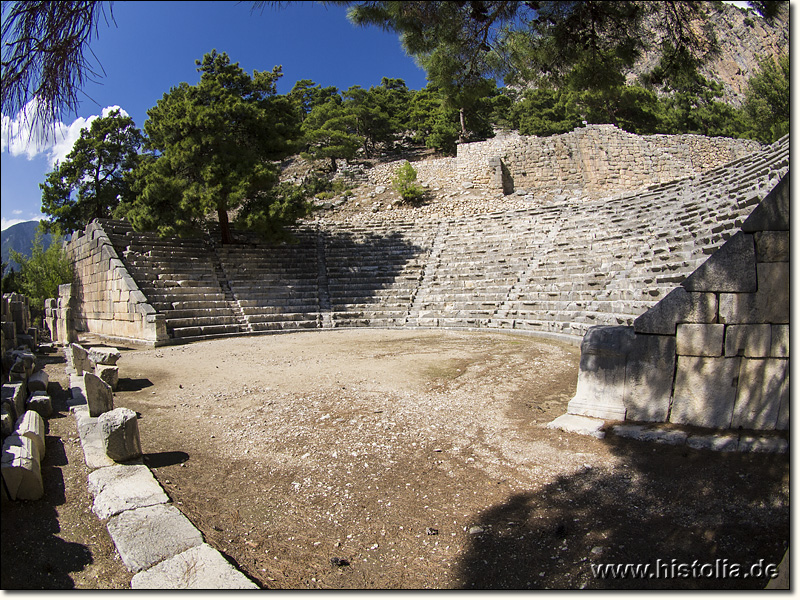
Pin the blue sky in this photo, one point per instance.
(153, 47)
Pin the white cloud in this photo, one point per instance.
(6, 223)
(20, 137)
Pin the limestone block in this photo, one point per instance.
(705, 391)
(14, 395)
(732, 268)
(772, 246)
(758, 398)
(41, 403)
(649, 373)
(124, 487)
(38, 382)
(24, 363)
(679, 306)
(700, 339)
(772, 214)
(6, 420)
(601, 378)
(99, 396)
(146, 536)
(198, 568)
(770, 304)
(104, 356)
(754, 341)
(120, 431)
(78, 359)
(21, 469)
(31, 425)
(780, 341)
(109, 374)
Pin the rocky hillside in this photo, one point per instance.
(745, 39)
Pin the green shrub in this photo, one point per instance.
(405, 184)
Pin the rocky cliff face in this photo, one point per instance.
(744, 39)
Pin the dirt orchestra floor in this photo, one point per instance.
(387, 459)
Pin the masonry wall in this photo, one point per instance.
(715, 351)
(108, 300)
(593, 158)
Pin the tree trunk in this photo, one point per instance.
(224, 226)
(463, 137)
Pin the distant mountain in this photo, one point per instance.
(20, 237)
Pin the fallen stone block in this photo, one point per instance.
(109, 374)
(21, 469)
(14, 395)
(78, 359)
(579, 424)
(104, 356)
(38, 381)
(120, 431)
(199, 568)
(146, 536)
(94, 452)
(720, 443)
(124, 487)
(6, 420)
(775, 445)
(41, 403)
(31, 426)
(99, 396)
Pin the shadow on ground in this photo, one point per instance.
(669, 504)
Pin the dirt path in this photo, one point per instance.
(418, 459)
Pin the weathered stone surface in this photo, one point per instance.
(94, 452)
(41, 403)
(124, 487)
(780, 341)
(773, 212)
(6, 420)
(14, 395)
(199, 568)
(146, 536)
(120, 431)
(770, 304)
(759, 395)
(772, 445)
(705, 391)
(754, 341)
(109, 374)
(38, 381)
(772, 246)
(31, 425)
(104, 356)
(98, 395)
(78, 359)
(700, 339)
(719, 443)
(578, 424)
(649, 373)
(679, 306)
(601, 378)
(21, 469)
(732, 268)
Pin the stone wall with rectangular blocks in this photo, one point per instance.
(595, 158)
(108, 300)
(715, 351)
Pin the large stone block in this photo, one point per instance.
(124, 487)
(21, 468)
(78, 359)
(759, 395)
(679, 306)
(754, 341)
(649, 374)
(38, 381)
(109, 374)
(770, 304)
(40, 402)
(120, 431)
(104, 356)
(198, 568)
(146, 536)
(99, 396)
(700, 339)
(705, 391)
(601, 378)
(780, 341)
(31, 425)
(14, 395)
(772, 214)
(772, 246)
(732, 268)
